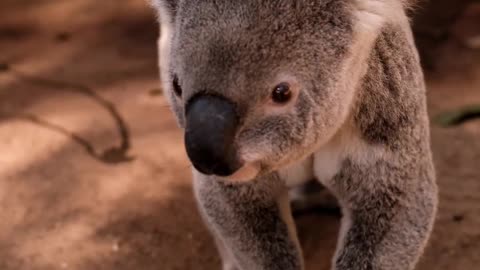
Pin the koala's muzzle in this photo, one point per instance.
(211, 125)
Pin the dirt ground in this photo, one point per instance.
(93, 174)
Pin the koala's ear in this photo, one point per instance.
(166, 9)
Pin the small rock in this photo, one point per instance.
(458, 218)
(4, 67)
(63, 37)
(155, 92)
(115, 247)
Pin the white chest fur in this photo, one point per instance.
(327, 161)
(298, 173)
(322, 166)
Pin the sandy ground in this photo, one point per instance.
(93, 174)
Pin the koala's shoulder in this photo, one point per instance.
(392, 94)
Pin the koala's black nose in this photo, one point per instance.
(211, 124)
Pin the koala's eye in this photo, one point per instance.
(176, 86)
(281, 93)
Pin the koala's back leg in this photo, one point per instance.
(306, 193)
(312, 197)
(252, 223)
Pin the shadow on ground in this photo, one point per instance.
(93, 173)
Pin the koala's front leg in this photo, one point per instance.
(251, 222)
(388, 215)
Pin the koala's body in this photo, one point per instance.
(273, 93)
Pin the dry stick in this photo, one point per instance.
(111, 155)
(454, 118)
(33, 119)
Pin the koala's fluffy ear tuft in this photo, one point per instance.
(165, 8)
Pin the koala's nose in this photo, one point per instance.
(211, 124)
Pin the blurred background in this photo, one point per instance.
(93, 173)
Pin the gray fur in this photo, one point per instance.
(360, 115)
(248, 220)
(391, 83)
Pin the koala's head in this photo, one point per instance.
(260, 84)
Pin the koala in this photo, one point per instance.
(274, 93)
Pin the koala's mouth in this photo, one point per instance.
(211, 127)
(246, 173)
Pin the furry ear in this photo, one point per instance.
(166, 9)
